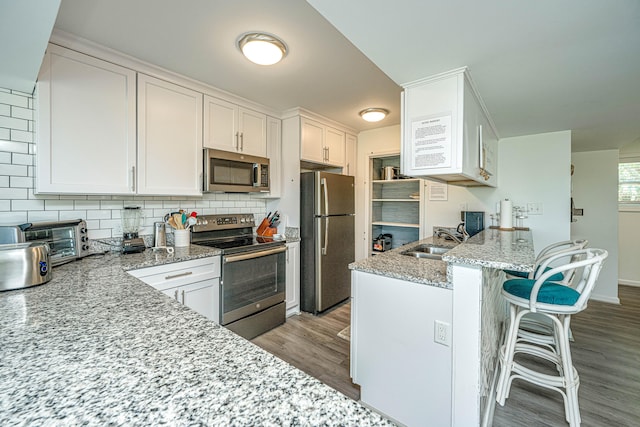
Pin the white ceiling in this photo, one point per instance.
(540, 66)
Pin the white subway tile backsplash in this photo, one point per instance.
(13, 218)
(13, 193)
(22, 159)
(42, 216)
(5, 157)
(99, 234)
(5, 205)
(21, 182)
(58, 205)
(23, 135)
(4, 181)
(72, 197)
(27, 205)
(13, 123)
(32, 195)
(15, 170)
(98, 214)
(5, 110)
(14, 99)
(11, 146)
(152, 204)
(20, 112)
(86, 204)
(65, 215)
(113, 204)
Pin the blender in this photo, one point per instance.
(131, 220)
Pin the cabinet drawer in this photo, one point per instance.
(179, 273)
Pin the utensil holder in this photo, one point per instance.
(181, 238)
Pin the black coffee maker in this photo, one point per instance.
(473, 221)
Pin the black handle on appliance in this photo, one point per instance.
(25, 226)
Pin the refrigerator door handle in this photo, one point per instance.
(326, 235)
(323, 184)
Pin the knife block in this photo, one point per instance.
(264, 225)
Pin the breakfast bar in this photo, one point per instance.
(425, 332)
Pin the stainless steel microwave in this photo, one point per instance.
(235, 172)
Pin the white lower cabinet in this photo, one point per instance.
(401, 370)
(293, 278)
(194, 283)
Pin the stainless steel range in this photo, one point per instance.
(252, 287)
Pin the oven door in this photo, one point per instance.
(251, 282)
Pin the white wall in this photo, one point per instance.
(629, 230)
(595, 189)
(18, 204)
(531, 169)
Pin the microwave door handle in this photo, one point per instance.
(256, 174)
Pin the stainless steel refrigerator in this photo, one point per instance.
(327, 246)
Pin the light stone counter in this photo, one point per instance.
(95, 346)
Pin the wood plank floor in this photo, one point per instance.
(606, 353)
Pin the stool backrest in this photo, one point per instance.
(584, 263)
(556, 249)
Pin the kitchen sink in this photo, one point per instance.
(426, 251)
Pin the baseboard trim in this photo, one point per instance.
(629, 282)
(605, 298)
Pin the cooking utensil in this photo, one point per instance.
(390, 172)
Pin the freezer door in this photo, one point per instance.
(335, 194)
(334, 252)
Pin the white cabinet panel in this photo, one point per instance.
(253, 132)
(169, 138)
(220, 124)
(199, 296)
(274, 153)
(312, 143)
(334, 142)
(293, 278)
(86, 118)
(229, 127)
(351, 142)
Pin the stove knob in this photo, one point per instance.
(84, 238)
(85, 247)
(83, 230)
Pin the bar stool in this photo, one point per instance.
(556, 302)
(534, 327)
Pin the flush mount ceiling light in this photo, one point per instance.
(374, 114)
(261, 48)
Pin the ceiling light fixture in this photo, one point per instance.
(374, 114)
(261, 48)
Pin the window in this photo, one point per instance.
(629, 182)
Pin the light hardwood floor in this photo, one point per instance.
(606, 353)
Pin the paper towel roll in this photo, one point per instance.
(506, 214)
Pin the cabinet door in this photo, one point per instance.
(334, 143)
(312, 141)
(169, 138)
(220, 124)
(293, 278)
(199, 296)
(274, 153)
(86, 125)
(350, 155)
(253, 132)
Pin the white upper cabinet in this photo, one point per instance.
(229, 127)
(274, 153)
(351, 142)
(447, 133)
(86, 118)
(321, 144)
(169, 138)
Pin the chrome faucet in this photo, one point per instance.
(461, 231)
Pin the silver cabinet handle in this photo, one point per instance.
(237, 141)
(133, 179)
(234, 258)
(183, 296)
(328, 154)
(287, 255)
(241, 141)
(175, 295)
(173, 276)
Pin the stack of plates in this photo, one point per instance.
(415, 195)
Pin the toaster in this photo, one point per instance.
(23, 265)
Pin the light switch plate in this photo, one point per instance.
(534, 208)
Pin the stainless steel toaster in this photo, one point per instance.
(23, 265)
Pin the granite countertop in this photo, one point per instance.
(95, 346)
(393, 264)
(491, 248)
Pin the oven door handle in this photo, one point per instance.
(241, 257)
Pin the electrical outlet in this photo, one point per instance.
(534, 208)
(441, 333)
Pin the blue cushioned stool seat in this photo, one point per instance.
(549, 293)
(558, 277)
